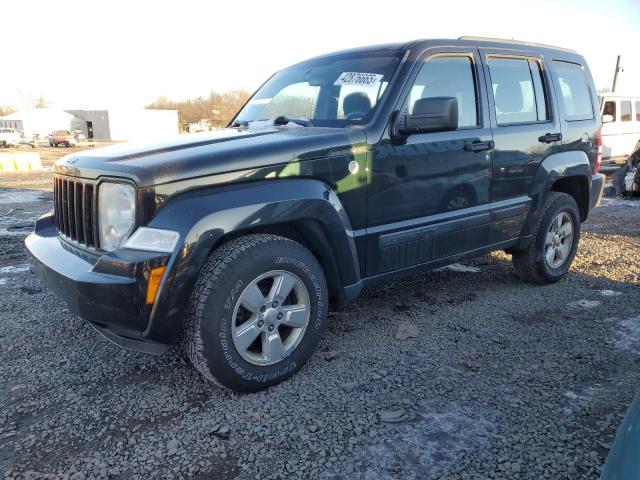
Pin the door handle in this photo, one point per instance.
(478, 146)
(550, 138)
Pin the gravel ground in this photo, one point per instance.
(462, 373)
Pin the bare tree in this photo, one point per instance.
(41, 102)
(217, 108)
(6, 110)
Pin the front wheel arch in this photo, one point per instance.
(313, 236)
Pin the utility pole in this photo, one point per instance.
(615, 75)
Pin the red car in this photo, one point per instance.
(62, 137)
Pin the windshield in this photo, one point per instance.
(328, 92)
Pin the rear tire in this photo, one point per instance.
(257, 312)
(548, 258)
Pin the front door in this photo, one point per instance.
(526, 130)
(428, 196)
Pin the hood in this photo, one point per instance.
(197, 155)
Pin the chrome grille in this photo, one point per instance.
(75, 209)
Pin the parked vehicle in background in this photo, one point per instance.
(620, 127)
(9, 137)
(340, 172)
(626, 180)
(62, 137)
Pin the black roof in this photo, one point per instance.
(461, 41)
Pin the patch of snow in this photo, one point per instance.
(4, 232)
(458, 267)
(627, 335)
(406, 330)
(619, 202)
(585, 303)
(610, 293)
(10, 196)
(3, 280)
(431, 445)
(12, 269)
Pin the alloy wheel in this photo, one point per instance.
(559, 240)
(270, 317)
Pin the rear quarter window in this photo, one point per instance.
(574, 90)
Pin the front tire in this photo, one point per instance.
(257, 313)
(556, 236)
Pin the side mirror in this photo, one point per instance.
(607, 118)
(435, 114)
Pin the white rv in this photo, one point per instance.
(620, 127)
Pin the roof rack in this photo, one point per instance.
(517, 42)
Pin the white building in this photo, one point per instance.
(126, 124)
(112, 124)
(37, 121)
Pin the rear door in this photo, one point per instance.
(526, 129)
(578, 104)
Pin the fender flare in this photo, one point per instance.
(556, 167)
(204, 217)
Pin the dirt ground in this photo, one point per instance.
(461, 373)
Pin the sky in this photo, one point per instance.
(103, 54)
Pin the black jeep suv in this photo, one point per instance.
(339, 172)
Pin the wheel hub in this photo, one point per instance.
(270, 317)
(559, 240)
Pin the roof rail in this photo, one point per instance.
(517, 42)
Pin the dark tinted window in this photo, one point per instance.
(625, 111)
(638, 111)
(610, 109)
(448, 77)
(514, 92)
(574, 90)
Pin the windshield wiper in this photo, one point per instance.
(283, 120)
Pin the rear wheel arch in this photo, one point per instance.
(578, 188)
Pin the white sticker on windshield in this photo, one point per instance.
(360, 79)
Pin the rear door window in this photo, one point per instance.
(518, 90)
(625, 111)
(574, 90)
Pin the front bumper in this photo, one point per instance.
(108, 290)
(597, 187)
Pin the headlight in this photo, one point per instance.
(116, 213)
(153, 240)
